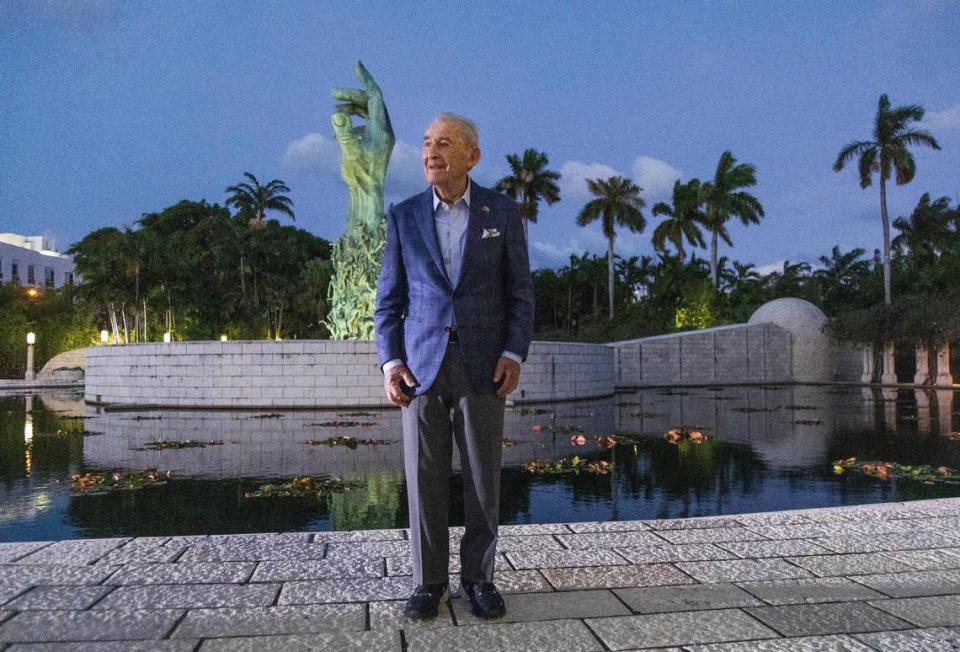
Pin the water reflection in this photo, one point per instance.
(769, 448)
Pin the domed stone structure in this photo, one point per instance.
(798, 316)
(812, 351)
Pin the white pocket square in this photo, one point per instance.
(490, 233)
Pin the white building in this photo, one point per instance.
(30, 261)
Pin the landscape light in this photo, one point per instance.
(104, 336)
(166, 337)
(223, 338)
(31, 338)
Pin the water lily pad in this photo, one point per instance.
(576, 464)
(342, 424)
(163, 444)
(300, 487)
(93, 483)
(925, 473)
(272, 415)
(350, 442)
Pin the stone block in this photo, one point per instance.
(827, 618)
(664, 599)
(678, 628)
(190, 596)
(91, 625)
(514, 637)
(266, 621)
(564, 579)
(809, 591)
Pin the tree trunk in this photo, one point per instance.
(714, 272)
(887, 295)
(610, 275)
(123, 315)
(570, 306)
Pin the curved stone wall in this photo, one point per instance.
(310, 373)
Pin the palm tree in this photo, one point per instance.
(724, 199)
(927, 233)
(529, 182)
(618, 202)
(259, 199)
(683, 217)
(887, 153)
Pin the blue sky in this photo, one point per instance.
(113, 109)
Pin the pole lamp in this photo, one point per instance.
(31, 340)
(104, 336)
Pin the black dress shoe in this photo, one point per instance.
(424, 601)
(485, 599)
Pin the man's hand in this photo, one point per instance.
(509, 371)
(392, 385)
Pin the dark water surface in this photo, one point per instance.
(770, 448)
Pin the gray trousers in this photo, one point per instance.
(450, 410)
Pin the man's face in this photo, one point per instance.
(446, 156)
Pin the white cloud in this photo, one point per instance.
(769, 268)
(320, 153)
(654, 176)
(313, 151)
(574, 175)
(946, 119)
(405, 173)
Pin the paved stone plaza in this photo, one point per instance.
(875, 577)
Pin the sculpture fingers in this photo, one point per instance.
(375, 105)
(343, 129)
(353, 109)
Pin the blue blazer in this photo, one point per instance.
(493, 301)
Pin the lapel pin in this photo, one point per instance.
(484, 209)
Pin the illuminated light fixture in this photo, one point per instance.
(166, 337)
(223, 338)
(31, 338)
(32, 292)
(104, 336)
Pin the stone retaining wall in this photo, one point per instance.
(306, 374)
(757, 353)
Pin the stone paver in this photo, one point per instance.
(91, 625)
(316, 569)
(886, 542)
(59, 597)
(821, 589)
(564, 558)
(593, 577)
(909, 585)
(827, 618)
(72, 553)
(880, 576)
(302, 619)
(256, 550)
(779, 548)
(107, 646)
(686, 598)
(936, 639)
(165, 596)
(348, 590)
(16, 574)
(709, 535)
(609, 540)
(549, 636)
(679, 552)
(10, 552)
(935, 611)
(854, 564)
(381, 641)
(678, 628)
(199, 573)
(388, 614)
(932, 559)
(833, 643)
(741, 570)
(547, 606)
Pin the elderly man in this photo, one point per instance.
(453, 321)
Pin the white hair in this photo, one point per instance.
(466, 127)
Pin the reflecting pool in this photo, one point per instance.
(767, 448)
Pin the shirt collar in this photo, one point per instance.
(465, 198)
